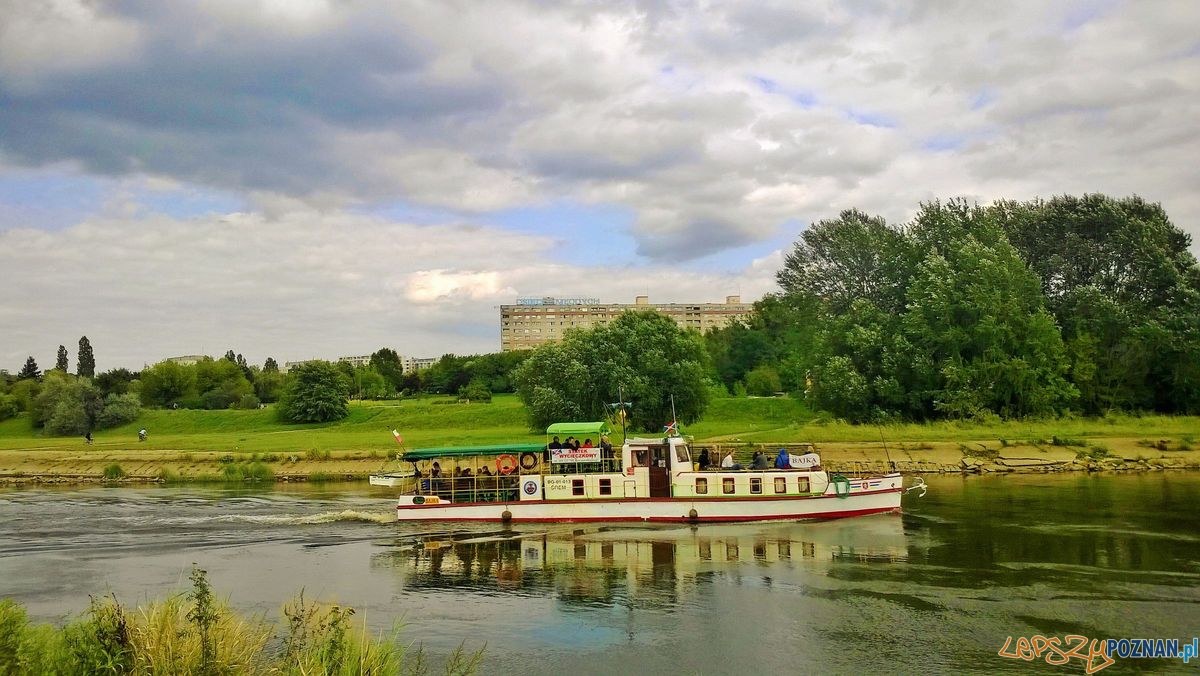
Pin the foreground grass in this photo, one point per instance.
(198, 634)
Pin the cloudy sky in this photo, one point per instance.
(303, 178)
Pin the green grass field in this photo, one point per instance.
(443, 422)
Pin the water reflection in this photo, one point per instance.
(655, 566)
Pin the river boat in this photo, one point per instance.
(648, 479)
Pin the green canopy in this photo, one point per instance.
(579, 429)
(464, 451)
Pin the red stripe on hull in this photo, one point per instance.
(689, 500)
(679, 519)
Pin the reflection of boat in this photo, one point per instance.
(650, 563)
(650, 479)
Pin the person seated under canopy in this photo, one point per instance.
(783, 460)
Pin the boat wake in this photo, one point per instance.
(351, 515)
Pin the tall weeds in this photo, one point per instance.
(197, 633)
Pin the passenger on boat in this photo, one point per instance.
(760, 461)
(606, 453)
(436, 470)
(554, 444)
(728, 463)
(484, 471)
(587, 443)
(703, 459)
(783, 461)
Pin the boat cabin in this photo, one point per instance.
(643, 467)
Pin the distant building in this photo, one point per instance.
(187, 359)
(535, 321)
(413, 364)
(364, 360)
(289, 365)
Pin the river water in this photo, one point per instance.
(937, 589)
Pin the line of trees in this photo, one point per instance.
(1084, 304)
(230, 382)
(64, 404)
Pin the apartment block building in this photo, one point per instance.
(535, 321)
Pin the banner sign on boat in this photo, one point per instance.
(806, 461)
(561, 455)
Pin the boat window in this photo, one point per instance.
(780, 485)
(756, 485)
(727, 484)
(641, 457)
(802, 484)
(606, 487)
(681, 454)
(661, 455)
(701, 486)
(576, 486)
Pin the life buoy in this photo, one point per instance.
(506, 464)
(839, 480)
(529, 461)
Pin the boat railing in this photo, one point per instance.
(498, 487)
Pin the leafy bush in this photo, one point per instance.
(763, 382)
(315, 392)
(118, 410)
(9, 406)
(249, 402)
(476, 390)
(113, 472)
(67, 405)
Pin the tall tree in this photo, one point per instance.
(851, 257)
(246, 370)
(85, 362)
(979, 317)
(30, 370)
(643, 355)
(270, 366)
(61, 362)
(230, 356)
(387, 363)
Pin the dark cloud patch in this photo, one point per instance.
(242, 107)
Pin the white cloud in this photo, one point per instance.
(711, 125)
(303, 284)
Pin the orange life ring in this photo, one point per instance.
(506, 464)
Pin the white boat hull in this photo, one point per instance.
(860, 501)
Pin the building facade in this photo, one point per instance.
(411, 364)
(535, 321)
(356, 362)
(187, 359)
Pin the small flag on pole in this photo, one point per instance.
(396, 433)
(673, 428)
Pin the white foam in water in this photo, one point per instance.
(289, 519)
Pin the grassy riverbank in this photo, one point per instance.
(196, 633)
(248, 445)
